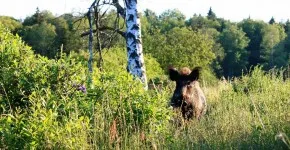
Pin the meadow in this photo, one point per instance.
(48, 104)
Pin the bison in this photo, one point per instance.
(188, 95)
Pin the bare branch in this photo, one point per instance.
(122, 33)
(120, 9)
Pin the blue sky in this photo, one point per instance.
(234, 10)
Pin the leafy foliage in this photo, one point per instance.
(171, 19)
(46, 109)
(11, 23)
(41, 37)
(267, 45)
(253, 30)
(46, 103)
(181, 47)
(234, 42)
(272, 36)
(115, 111)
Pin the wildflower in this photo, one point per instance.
(82, 88)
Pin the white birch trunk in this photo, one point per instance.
(136, 65)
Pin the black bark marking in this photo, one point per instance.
(131, 35)
(138, 41)
(128, 49)
(127, 68)
(133, 55)
(131, 18)
(133, 44)
(137, 64)
(135, 27)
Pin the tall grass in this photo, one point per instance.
(248, 113)
(43, 108)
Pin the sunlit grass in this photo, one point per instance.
(236, 119)
(251, 112)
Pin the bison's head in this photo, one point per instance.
(184, 82)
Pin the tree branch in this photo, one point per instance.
(120, 9)
(122, 33)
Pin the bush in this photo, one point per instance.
(42, 107)
(22, 72)
(47, 104)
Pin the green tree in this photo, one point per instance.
(41, 37)
(253, 30)
(272, 35)
(181, 47)
(76, 26)
(286, 46)
(280, 56)
(62, 33)
(287, 40)
(280, 53)
(171, 19)
(12, 24)
(38, 17)
(200, 22)
(211, 15)
(46, 33)
(272, 21)
(151, 17)
(150, 22)
(217, 49)
(287, 26)
(234, 42)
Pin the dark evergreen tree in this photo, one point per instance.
(253, 32)
(272, 21)
(211, 15)
(287, 26)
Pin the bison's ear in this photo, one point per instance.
(173, 74)
(194, 75)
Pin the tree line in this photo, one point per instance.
(226, 48)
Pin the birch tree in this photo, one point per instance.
(130, 13)
(136, 64)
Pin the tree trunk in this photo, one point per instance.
(99, 44)
(136, 64)
(90, 61)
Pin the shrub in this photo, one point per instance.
(47, 104)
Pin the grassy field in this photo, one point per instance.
(44, 107)
(248, 113)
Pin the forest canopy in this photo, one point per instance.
(226, 48)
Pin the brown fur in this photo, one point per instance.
(188, 95)
(194, 105)
(184, 71)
